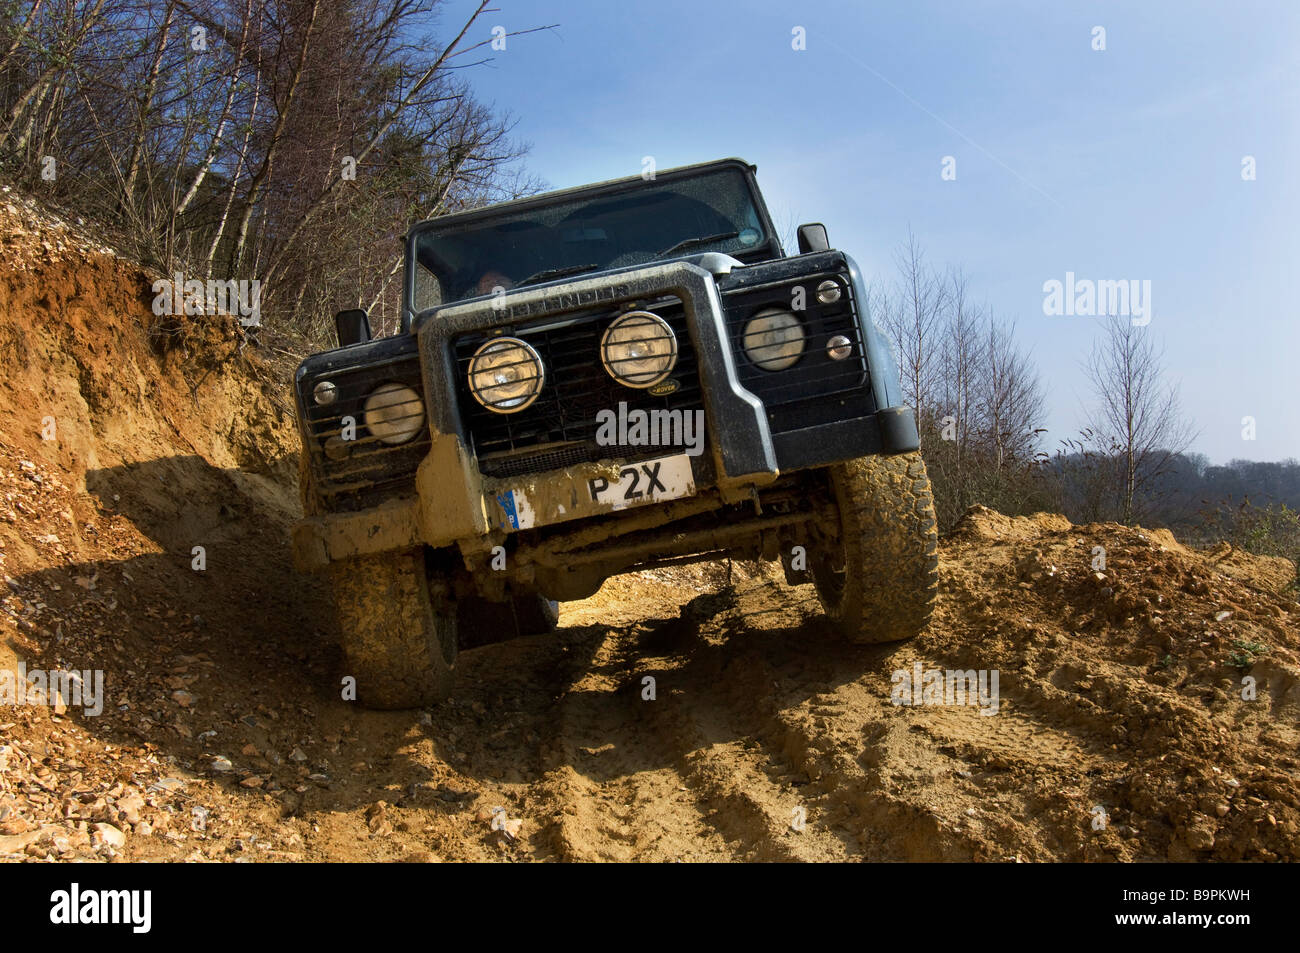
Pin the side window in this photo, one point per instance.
(428, 289)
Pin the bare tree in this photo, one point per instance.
(1010, 401)
(912, 317)
(55, 45)
(961, 362)
(290, 141)
(284, 109)
(1137, 415)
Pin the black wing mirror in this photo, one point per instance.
(352, 326)
(813, 238)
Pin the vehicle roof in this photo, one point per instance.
(543, 198)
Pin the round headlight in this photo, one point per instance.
(325, 393)
(506, 375)
(773, 339)
(839, 347)
(639, 349)
(393, 413)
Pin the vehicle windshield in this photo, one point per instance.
(712, 211)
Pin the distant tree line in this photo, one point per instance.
(286, 141)
(980, 407)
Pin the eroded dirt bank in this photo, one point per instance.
(223, 736)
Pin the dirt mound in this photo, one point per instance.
(980, 522)
(1175, 682)
(1084, 693)
(1270, 572)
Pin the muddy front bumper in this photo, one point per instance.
(455, 504)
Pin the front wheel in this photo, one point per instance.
(398, 633)
(878, 577)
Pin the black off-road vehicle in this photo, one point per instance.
(598, 379)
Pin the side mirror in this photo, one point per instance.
(352, 326)
(813, 238)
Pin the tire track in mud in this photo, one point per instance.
(682, 776)
(765, 742)
(808, 703)
(616, 789)
(705, 769)
(748, 790)
(758, 727)
(616, 768)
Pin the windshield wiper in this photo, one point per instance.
(550, 273)
(683, 245)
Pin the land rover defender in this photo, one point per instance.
(595, 380)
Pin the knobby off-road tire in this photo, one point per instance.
(889, 547)
(398, 635)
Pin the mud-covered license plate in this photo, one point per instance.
(636, 484)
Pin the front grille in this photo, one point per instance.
(368, 470)
(559, 428)
(536, 461)
(791, 394)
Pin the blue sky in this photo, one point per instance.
(1117, 164)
